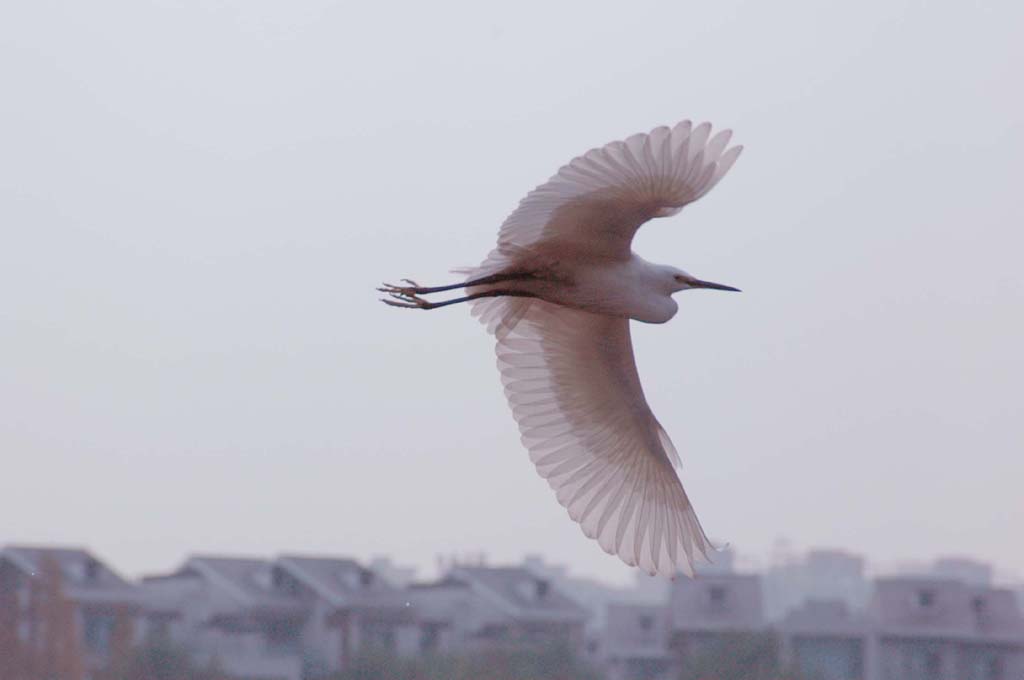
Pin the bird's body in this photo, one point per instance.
(558, 294)
(632, 288)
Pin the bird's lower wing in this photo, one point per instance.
(572, 383)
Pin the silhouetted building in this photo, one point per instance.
(825, 640)
(70, 614)
(914, 629)
(592, 595)
(354, 610)
(705, 611)
(819, 575)
(933, 629)
(474, 608)
(233, 611)
(963, 569)
(636, 642)
(274, 618)
(64, 614)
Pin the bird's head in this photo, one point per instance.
(682, 281)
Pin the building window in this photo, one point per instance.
(379, 634)
(98, 630)
(158, 629)
(430, 637)
(533, 590)
(922, 661)
(984, 665)
(91, 570)
(994, 668)
(925, 597)
(352, 578)
(646, 622)
(282, 638)
(716, 595)
(645, 669)
(282, 581)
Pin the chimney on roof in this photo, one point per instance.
(533, 589)
(91, 570)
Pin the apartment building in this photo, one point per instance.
(65, 613)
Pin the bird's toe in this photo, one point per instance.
(402, 298)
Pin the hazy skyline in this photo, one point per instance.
(199, 198)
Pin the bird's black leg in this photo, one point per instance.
(412, 301)
(415, 289)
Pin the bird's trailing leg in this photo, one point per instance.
(414, 288)
(412, 301)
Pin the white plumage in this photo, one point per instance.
(558, 293)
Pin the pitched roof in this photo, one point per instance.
(343, 582)
(84, 578)
(249, 582)
(78, 566)
(521, 593)
(443, 601)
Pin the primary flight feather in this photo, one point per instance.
(558, 293)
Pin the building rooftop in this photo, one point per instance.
(249, 582)
(343, 582)
(636, 631)
(934, 607)
(521, 593)
(716, 602)
(83, 577)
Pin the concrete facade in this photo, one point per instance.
(475, 608)
(637, 640)
(285, 618)
(818, 575)
(936, 629)
(708, 610)
(67, 612)
(922, 628)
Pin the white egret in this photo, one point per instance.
(558, 293)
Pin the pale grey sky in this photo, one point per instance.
(197, 199)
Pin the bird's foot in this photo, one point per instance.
(400, 298)
(412, 289)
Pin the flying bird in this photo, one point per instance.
(558, 293)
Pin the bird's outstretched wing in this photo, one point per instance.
(596, 202)
(594, 205)
(572, 383)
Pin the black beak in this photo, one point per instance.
(697, 283)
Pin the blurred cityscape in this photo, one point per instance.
(65, 614)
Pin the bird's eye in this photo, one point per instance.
(679, 278)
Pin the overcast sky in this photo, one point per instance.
(197, 199)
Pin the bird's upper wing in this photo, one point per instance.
(596, 203)
(573, 386)
(593, 206)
